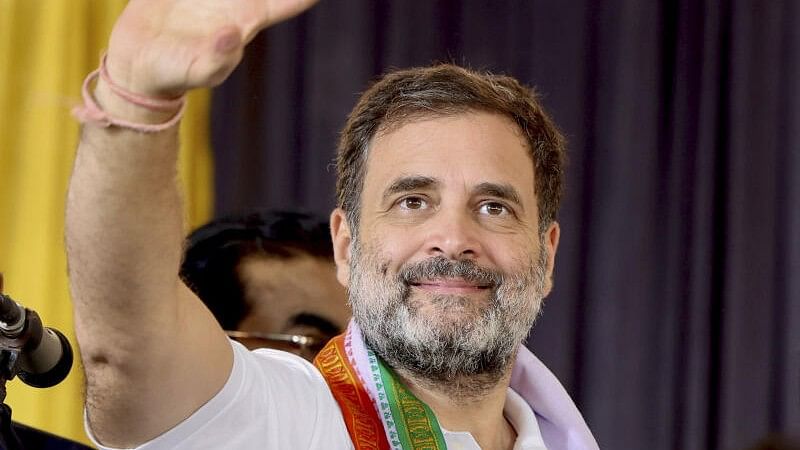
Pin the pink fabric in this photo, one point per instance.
(561, 424)
(357, 353)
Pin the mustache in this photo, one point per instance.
(441, 267)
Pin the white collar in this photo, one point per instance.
(521, 417)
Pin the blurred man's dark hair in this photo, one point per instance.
(215, 250)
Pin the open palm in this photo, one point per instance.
(165, 47)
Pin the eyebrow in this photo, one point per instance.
(409, 183)
(498, 190)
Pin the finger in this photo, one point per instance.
(270, 12)
(1, 282)
(279, 10)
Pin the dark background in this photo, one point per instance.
(675, 322)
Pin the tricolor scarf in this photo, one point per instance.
(382, 414)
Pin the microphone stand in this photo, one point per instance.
(8, 370)
(19, 328)
(22, 334)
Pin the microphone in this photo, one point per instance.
(43, 355)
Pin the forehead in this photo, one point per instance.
(469, 148)
(278, 289)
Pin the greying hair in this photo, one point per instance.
(447, 90)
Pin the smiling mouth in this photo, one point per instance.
(450, 286)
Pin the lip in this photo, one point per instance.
(449, 286)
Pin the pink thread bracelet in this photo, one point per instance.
(155, 104)
(91, 113)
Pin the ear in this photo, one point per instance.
(341, 237)
(551, 238)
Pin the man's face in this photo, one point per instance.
(298, 295)
(448, 270)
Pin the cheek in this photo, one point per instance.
(510, 254)
(374, 260)
(389, 250)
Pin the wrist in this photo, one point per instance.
(114, 105)
(118, 107)
(128, 77)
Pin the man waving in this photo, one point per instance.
(445, 235)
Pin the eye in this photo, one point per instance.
(413, 203)
(493, 209)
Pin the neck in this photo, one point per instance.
(473, 404)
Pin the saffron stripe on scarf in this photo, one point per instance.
(391, 417)
(362, 421)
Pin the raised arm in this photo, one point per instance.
(152, 353)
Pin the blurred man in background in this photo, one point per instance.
(269, 279)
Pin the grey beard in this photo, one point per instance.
(467, 352)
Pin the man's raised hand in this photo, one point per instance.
(166, 47)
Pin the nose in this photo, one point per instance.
(453, 234)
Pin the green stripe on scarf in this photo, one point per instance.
(416, 424)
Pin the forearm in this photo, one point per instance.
(151, 352)
(123, 231)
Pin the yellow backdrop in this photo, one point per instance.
(46, 48)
